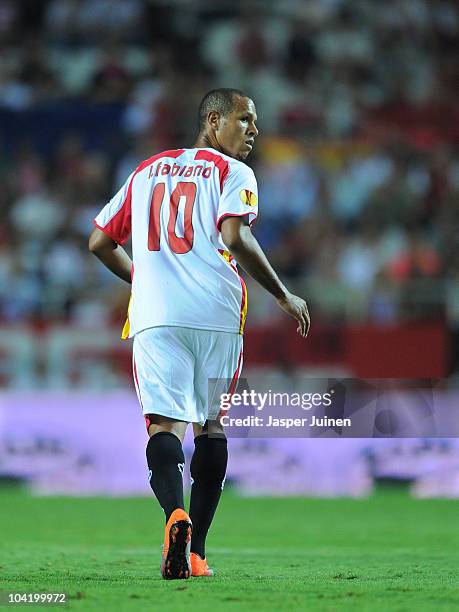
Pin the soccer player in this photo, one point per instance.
(189, 212)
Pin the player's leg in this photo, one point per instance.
(208, 471)
(166, 461)
(163, 374)
(222, 362)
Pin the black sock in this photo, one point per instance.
(208, 469)
(166, 462)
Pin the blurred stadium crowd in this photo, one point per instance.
(357, 161)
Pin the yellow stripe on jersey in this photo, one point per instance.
(243, 312)
(226, 255)
(127, 326)
(244, 304)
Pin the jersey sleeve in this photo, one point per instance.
(239, 196)
(115, 218)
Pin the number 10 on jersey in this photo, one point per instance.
(177, 244)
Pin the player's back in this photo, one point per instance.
(174, 203)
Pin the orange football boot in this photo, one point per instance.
(199, 566)
(175, 563)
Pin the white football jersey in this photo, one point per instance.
(173, 205)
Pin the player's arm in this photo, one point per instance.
(111, 254)
(243, 245)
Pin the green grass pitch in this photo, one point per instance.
(388, 552)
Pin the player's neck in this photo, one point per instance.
(205, 141)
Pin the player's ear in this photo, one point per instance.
(213, 119)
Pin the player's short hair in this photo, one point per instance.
(220, 100)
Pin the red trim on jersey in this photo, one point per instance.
(173, 153)
(106, 230)
(119, 226)
(225, 215)
(221, 164)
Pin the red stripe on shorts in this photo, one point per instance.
(136, 380)
(236, 375)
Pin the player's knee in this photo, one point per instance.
(156, 423)
(214, 428)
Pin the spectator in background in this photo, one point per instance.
(112, 82)
(92, 21)
(412, 270)
(37, 215)
(301, 54)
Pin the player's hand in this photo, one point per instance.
(296, 307)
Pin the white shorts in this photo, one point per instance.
(172, 368)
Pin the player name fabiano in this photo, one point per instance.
(160, 169)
